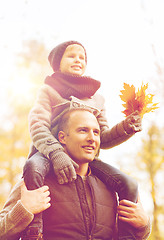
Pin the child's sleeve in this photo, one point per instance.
(40, 121)
(114, 136)
(43, 139)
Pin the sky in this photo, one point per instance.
(117, 34)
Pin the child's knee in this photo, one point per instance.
(30, 165)
(35, 165)
(131, 189)
(34, 172)
(132, 185)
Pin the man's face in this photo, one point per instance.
(82, 138)
(73, 60)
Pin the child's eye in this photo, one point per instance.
(71, 56)
(82, 57)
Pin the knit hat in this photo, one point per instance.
(56, 54)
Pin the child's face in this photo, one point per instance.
(73, 60)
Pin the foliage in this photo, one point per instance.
(137, 100)
(151, 160)
(15, 144)
(14, 134)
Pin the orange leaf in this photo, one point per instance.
(137, 100)
(128, 93)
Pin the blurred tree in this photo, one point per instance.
(14, 150)
(151, 160)
(30, 71)
(157, 52)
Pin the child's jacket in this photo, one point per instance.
(50, 105)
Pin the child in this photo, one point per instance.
(68, 88)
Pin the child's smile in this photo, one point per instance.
(73, 60)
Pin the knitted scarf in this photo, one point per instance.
(73, 85)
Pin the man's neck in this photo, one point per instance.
(82, 170)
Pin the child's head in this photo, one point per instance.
(69, 57)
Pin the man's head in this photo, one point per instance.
(69, 57)
(79, 133)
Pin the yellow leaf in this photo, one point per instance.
(137, 100)
(128, 93)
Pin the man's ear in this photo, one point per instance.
(61, 137)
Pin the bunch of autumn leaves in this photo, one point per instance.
(137, 100)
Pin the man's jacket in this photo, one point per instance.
(69, 217)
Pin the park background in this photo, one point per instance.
(125, 43)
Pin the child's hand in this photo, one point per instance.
(133, 123)
(35, 201)
(64, 167)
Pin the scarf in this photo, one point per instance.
(73, 85)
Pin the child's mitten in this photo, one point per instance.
(133, 123)
(64, 166)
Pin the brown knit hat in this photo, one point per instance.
(56, 54)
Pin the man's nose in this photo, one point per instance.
(91, 136)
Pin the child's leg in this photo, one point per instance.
(124, 185)
(34, 172)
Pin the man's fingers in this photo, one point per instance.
(48, 199)
(48, 205)
(45, 188)
(127, 203)
(124, 219)
(23, 187)
(125, 211)
(47, 193)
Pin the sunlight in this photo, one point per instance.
(20, 85)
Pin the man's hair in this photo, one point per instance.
(64, 120)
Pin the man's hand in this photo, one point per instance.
(133, 123)
(132, 213)
(35, 201)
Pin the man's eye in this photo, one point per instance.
(83, 130)
(96, 132)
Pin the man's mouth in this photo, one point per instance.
(89, 148)
(76, 67)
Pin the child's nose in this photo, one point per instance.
(77, 59)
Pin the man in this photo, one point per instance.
(85, 209)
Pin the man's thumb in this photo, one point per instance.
(23, 187)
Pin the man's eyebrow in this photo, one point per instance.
(82, 127)
(86, 128)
